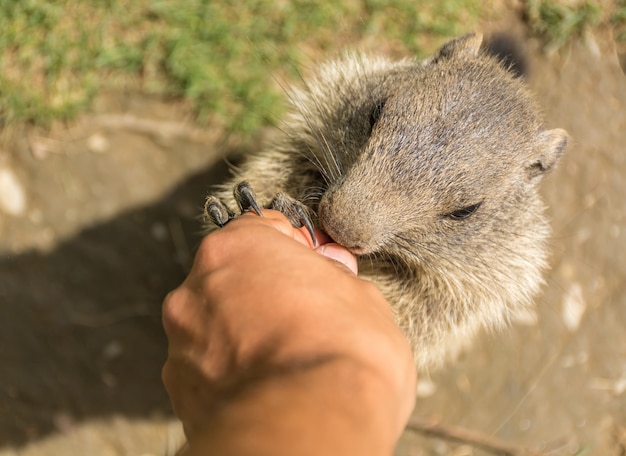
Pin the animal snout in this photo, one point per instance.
(348, 224)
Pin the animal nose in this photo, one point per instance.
(347, 226)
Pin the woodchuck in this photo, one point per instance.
(428, 172)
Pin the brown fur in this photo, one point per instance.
(387, 154)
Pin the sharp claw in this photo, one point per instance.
(215, 217)
(306, 222)
(246, 198)
(216, 212)
(256, 208)
(309, 228)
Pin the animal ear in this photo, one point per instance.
(550, 145)
(464, 47)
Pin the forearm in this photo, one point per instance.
(335, 408)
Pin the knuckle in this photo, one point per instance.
(208, 254)
(167, 376)
(172, 313)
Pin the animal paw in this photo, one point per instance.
(295, 211)
(218, 213)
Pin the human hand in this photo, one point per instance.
(258, 303)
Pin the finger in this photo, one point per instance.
(284, 226)
(341, 254)
(322, 238)
(279, 222)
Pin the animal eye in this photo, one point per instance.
(464, 213)
(375, 114)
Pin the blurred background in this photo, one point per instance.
(118, 116)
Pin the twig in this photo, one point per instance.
(470, 437)
(533, 385)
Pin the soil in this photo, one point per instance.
(99, 220)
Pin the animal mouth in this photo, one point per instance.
(356, 249)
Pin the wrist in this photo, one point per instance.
(287, 412)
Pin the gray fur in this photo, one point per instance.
(386, 153)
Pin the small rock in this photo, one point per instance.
(39, 150)
(12, 195)
(573, 307)
(112, 350)
(159, 231)
(98, 143)
(620, 386)
(425, 388)
(525, 424)
(592, 45)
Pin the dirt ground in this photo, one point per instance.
(98, 220)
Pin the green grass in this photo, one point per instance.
(220, 56)
(618, 21)
(560, 21)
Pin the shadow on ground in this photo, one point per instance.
(80, 327)
(81, 344)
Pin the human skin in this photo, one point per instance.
(276, 349)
